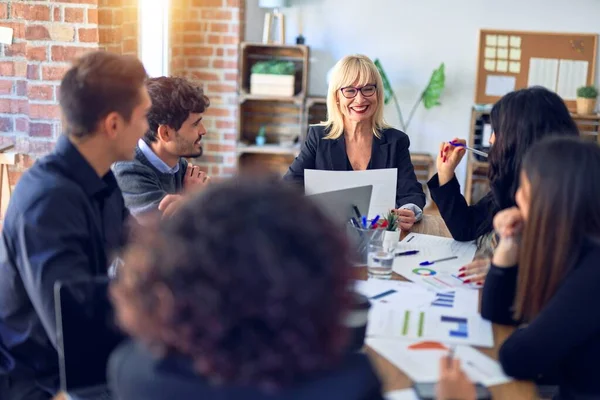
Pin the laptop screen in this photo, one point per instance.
(339, 204)
(86, 332)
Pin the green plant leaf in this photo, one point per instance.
(388, 92)
(274, 67)
(433, 91)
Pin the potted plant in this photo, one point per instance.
(391, 235)
(261, 137)
(586, 99)
(273, 78)
(430, 96)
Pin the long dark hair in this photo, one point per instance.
(520, 119)
(564, 174)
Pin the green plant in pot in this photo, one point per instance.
(430, 96)
(261, 136)
(586, 99)
(391, 235)
(273, 78)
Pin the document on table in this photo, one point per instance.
(439, 276)
(384, 183)
(420, 360)
(433, 323)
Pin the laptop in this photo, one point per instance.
(338, 204)
(86, 336)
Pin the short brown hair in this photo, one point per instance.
(173, 100)
(97, 84)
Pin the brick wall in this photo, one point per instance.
(205, 38)
(118, 26)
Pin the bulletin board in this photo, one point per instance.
(511, 60)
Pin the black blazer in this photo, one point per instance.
(464, 222)
(134, 374)
(391, 151)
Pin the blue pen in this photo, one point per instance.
(407, 253)
(354, 222)
(436, 261)
(364, 222)
(374, 222)
(478, 152)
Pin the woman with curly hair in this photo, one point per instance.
(240, 295)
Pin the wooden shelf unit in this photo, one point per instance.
(283, 117)
(477, 182)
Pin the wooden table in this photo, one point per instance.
(393, 378)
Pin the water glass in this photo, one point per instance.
(380, 261)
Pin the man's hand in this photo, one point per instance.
(194, 179)
(170, 204)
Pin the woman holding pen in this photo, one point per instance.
(519, 119)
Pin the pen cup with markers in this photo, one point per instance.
(361, 239)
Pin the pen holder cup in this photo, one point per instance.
(360, 239)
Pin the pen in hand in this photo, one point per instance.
(478, 152)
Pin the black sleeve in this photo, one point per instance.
(408, 188)
(499, 295)
(564, 324)
(304, 160)
(461, 219)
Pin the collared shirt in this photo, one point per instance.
(63, 222)
(155, 160)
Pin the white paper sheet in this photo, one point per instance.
(384, 182)
(391, 321)
(572, 74)
(404, 394)
(420, 361)
(411, 295)
(499, 85)
(441, 276)
(543, 72)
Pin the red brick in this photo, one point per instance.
(33, 72)
(17, 27)
(109, 35)
(229, 136)
(197, 62)
(38, 129)
(232, 52)
(22, 124)
(76, 15)
(37, 53)
(30, 12)
(205, 76)
(117, 17)
(92, 16)
(194, 26)
(7, 68)
(221, 88)
(6, 124)
(233, 3)
(37, 32)
(230, 76)
(88, 35)
(56, 15)
(40, 92)
(104, 16)
(194, 37)
(221, 124)
(208, 3)
(13, 106)
(130, 29)
(198, 51)
(220, 52)
(6, 87)
(21, 88)
(213, 39)
(53, 73)
(40, 148)
(222, 64)
(15, 50)
(130, 46)
(218, 27)
(68, 53)
(44, 111)
(216, 14)
(76, 1)
(4, 11)
(231, 39)
(218, 112)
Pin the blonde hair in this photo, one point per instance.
(353, 69)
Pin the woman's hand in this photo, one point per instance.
(475, 272)
(448, 159)
(406, 218)
(509, 225)
(454, 383)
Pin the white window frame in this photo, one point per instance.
(153, 44)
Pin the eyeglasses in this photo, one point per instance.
(350, 92)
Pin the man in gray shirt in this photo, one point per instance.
(159, 174)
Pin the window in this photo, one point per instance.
(154, 36)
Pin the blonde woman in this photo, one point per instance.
(355, 136)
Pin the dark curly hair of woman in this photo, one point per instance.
(249, 280)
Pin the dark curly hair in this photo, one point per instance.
(173, 100)
(257, 280)
(520, 119)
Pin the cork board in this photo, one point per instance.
(511, 60)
